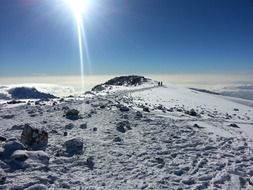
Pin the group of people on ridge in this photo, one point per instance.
(160, 83)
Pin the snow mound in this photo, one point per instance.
(131, 80)
(28, 93)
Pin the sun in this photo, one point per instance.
(79, 7)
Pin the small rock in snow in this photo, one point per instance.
(234, 125)
(123, 126)
(138, 114)
(70, 126)
(90, 163)
(83, 126)
(72, 114)
(123, 109)
(117, 139)
(146, 109)
(65, 134)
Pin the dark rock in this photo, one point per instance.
(161, 162)
(33, 138)
(139, 114)
(73, 146)
(8, 116)
(83, 126)
(11, 147)
(2, 178)
(146, 109)
(234, 125)
(90, 163)
(65, 134)
(121, 129)
(28, 93)
(124, 109)
(72, 114)
(236, 109)
(70, 126)
(102, 106)
(170, 110)
(193, 112)
(117, 139)
(123, 126)
(197, 126)
(15, 102)
(95, 129)
(65, 108)
(2, 138)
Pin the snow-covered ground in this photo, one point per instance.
(142, 137)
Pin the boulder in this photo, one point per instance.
(24, 158)
(73, 146)
(72, 114)
(33, 138)
(11, 147)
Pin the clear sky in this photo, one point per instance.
(38, 37)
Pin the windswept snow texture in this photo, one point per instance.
(182, 140)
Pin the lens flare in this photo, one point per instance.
(80, 8)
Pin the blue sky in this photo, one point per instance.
(38, 37)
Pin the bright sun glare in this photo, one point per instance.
(80, 9)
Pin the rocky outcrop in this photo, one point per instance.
(131, 80)
(28, 93)
(33, 138)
